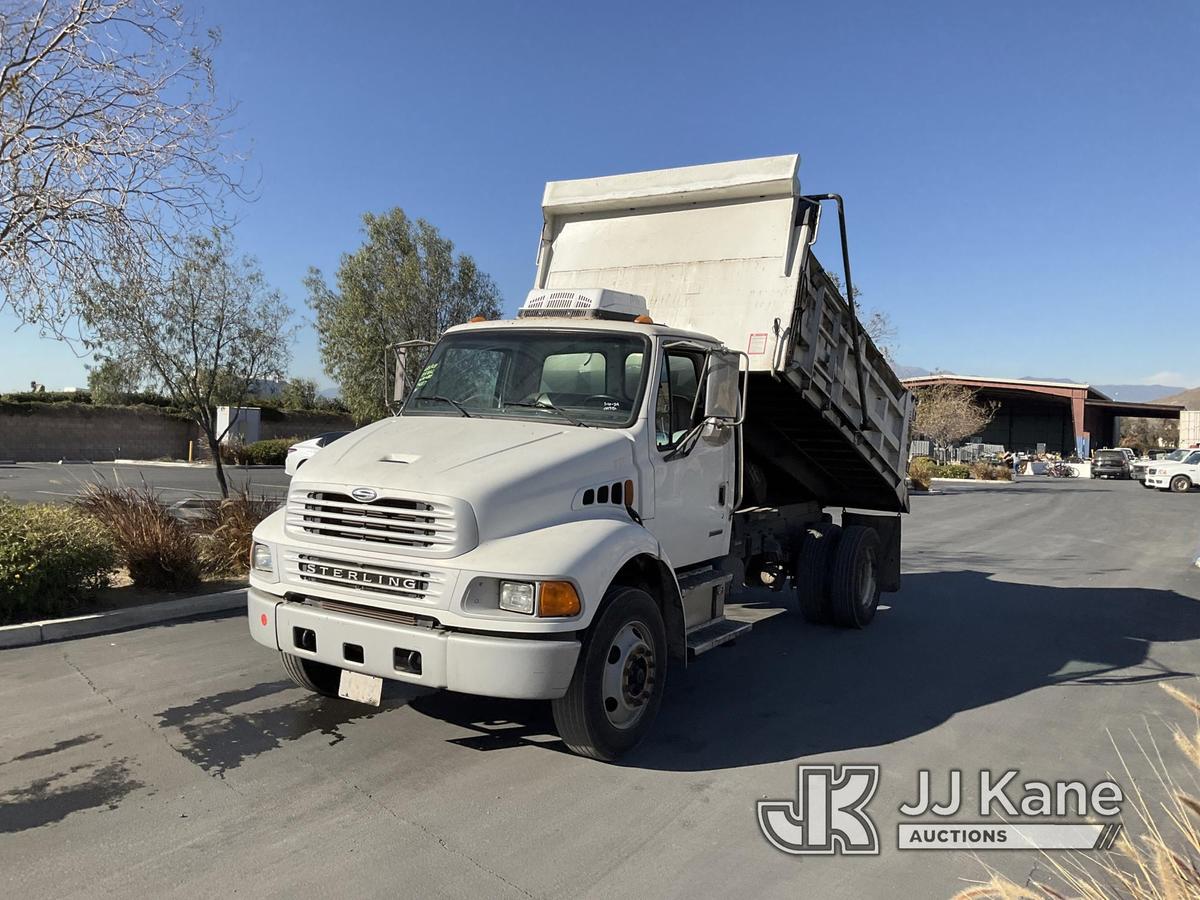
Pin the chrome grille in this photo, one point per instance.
(398, 521)
(365, 578)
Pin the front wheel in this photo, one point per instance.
(618, 683)
(1181, 484)
(318, 677)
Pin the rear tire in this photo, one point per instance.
(317, 677)
(810, 572)
(1181, 484)
(619, 678)
(854, 578)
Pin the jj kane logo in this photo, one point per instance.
(829, 814)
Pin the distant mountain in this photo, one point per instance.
(910, 371)
(330, 393)
(1189, 399)
(1137, 393)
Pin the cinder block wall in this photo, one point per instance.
(41, 432)
(302, 424)
(36, 432)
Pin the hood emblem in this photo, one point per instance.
(363, 495)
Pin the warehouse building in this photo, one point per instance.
(1065, 416)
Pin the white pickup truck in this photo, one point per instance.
(1178, 471)
(568, 499)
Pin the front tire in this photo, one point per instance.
(1181, 484)
(617, 687)
(317, 677)
(854, 579)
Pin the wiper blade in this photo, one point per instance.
(547, 405)
(453, 403)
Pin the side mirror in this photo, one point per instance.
(722, 394)
(398, 356)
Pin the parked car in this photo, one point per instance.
(1179, 476)
(1139, 467)
(299, 454)
(1110, 464)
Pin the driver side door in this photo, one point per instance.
(693, 489)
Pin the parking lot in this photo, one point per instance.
(54, 483)
(1035, 624)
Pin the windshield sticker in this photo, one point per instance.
(426, 374)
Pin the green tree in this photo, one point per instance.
(404, 283)
(111, 383)
(299, 393)
(204, 326)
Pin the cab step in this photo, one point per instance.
(714, 634)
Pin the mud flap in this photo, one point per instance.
(888, 529)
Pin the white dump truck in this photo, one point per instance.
(569, 499)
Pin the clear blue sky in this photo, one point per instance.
(1022, 179)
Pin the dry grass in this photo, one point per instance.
(920, 473)
(158, 550)
(227, 527)
(1163, 863)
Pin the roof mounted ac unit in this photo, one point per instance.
(598, 303)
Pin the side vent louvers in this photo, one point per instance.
(605, 494)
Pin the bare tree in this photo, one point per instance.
(203, 328)
(947, 413)
(111, 138)
(878, 325)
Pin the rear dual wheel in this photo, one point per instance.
(836, 575)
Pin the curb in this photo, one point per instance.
(974, 481)
(33, 633)
(160, 462)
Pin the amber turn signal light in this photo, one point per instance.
(474, 319)
(643, 320)
(559, 599)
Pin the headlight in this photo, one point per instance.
(260, 558)
(517, 596)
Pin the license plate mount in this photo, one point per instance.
(360, 687)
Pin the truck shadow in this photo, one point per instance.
(949, 642)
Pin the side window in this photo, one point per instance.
(1194, 459)
(675, 399)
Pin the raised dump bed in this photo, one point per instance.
(725, 250)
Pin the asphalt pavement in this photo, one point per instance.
(1034, 628)
(59, 483)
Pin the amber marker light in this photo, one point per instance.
(474, 319)
(559, 599)
(643, 320)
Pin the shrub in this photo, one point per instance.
(920, 472)
(260, 453)
(982, 471)
(52, 558)
(158, 549)
(952, 470)
(227, 527)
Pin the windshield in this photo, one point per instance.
(575, 377)
(1173, 456)
(1110, 456)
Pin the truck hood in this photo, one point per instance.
(515, 474)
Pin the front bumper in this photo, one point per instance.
(484, 664)
(1158, 481)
